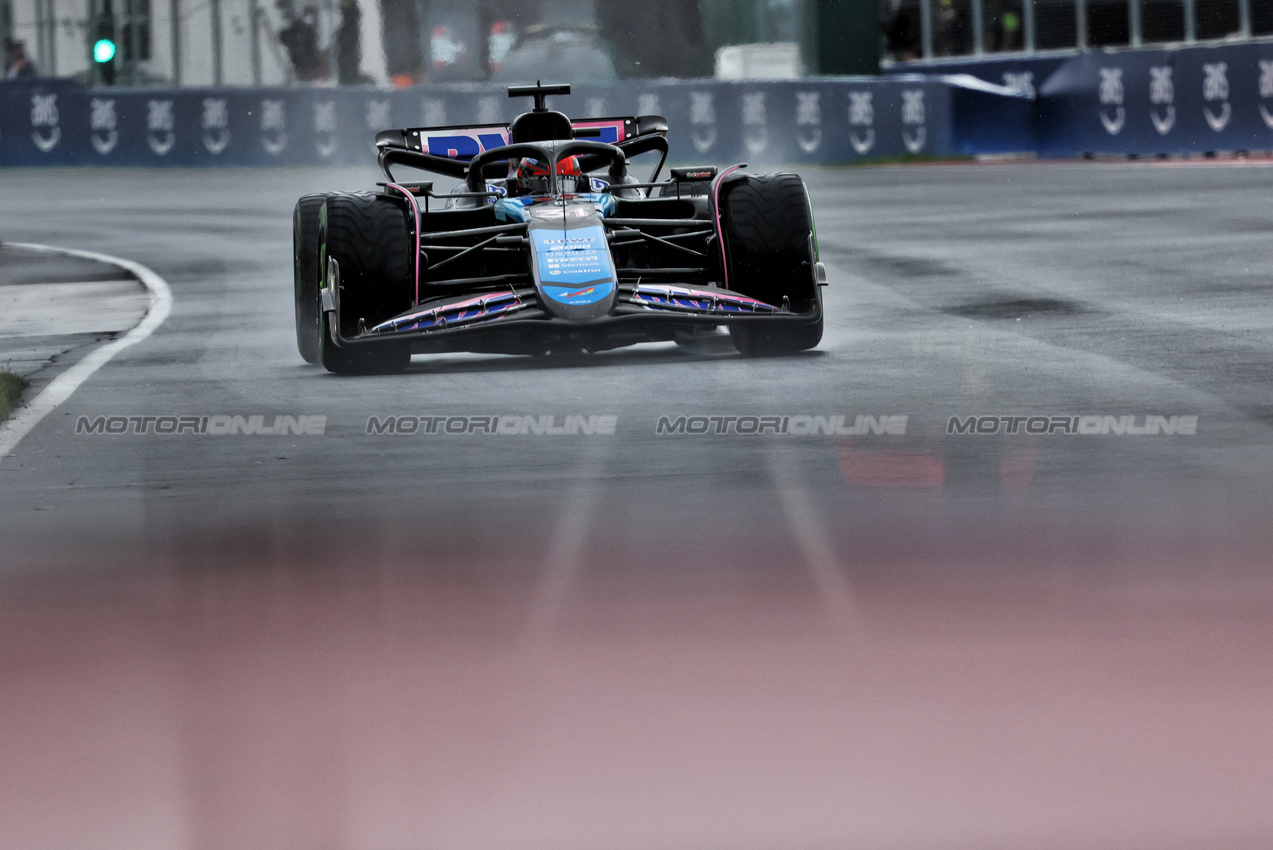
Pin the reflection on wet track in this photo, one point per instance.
(988, 568)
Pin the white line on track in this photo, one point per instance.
(838, 602)
(12, 431)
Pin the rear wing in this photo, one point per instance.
(447, 150)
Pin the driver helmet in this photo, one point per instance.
(532, 176)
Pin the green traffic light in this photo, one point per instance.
(103, 50)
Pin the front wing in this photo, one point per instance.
(514, 320)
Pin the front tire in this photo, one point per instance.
(369, 238)
(770, 251)
(305, 274)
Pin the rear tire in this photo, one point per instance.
(305, 274)
(369, 237)
(769, 247)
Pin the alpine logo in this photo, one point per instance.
(1110, 94)
(808, 120)
(755, 123)
(273, 126)
(325, 128)
(159, 127)
(45, 132)
(861, 114)
(914, 133)
(1215, 87)
(216, 124)
(378, 115)
(487, 110)
(433, 112)
(1162, 93)
(702, 121)
(103, 124)
(1266, 90)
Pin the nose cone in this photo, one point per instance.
(572, 266)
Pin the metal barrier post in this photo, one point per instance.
(216, 42)
(1080, 24)
(978, 28)
(1027, 25)
(134, 40)
(1244, 18)
(52, 54)
(1191, 22)
(333, 51)
(926, 27)
(1133, 19)
(175, 26)
(254, 27)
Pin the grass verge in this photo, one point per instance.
(11, 388)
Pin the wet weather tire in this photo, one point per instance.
(370, 238)
(769, 245)
(305, 273)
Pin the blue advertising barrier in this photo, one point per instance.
(1135, 102)
(823, 120)
(1146, 102)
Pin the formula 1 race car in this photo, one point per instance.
(549, 245)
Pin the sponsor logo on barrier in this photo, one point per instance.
(379, 116)
(433, 112)
(1021, 82)
(1266, 90)
(787, 425)
(648, 104)
(1162, 92)
(1084, 425)
(273, 126)
(325, 128)
(216, 124)
(160, 135)
(514, 425)
(1110, 93)
(1215, 87)
(202, 425)
(103, 132)
(914, 132)
(861, 114)
(808, 120)
(45, 132)
(487, 110)
(755, 123)
(702, 121)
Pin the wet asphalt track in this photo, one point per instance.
(646, 641)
